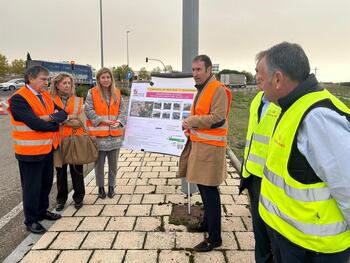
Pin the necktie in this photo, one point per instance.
(41, 99)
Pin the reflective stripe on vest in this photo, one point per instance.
(21, 128)
(32, 142)
(106, 112)
(258, 137)
(25, 140)
(208, 136)
(308, 229)
(305, 214)
(261, 138)
(216, 136)
(305, 195)
(256, 159)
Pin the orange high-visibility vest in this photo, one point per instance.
(106, 113)
(216, 136)
(25, 140)
(74, 106)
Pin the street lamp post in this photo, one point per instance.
(101, 31)
(147, 59)
(127, 47)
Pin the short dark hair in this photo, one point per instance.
(205, 59)
(289, 58)
(33, 72)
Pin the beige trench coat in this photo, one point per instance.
(202, 163)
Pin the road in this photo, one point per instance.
(12, 230)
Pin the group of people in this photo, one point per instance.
(295, 164)
(41, 118)
(295, 160)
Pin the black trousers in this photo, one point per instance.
(36, 180)
(212, 211)
(285, 251)
(76, 172)
(263, 250)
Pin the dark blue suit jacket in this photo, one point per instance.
(21, 111)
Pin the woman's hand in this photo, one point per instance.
(108, 122)
(73, 123)
(72, 116)
(116, 124)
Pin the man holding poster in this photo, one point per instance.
(203, 161)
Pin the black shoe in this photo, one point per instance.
(101, 192)
(206, 246)
(59, 207)
(50, 216)
(196, 228)
(111, 191)
(36, 228)
(78, 205)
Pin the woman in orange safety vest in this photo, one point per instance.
(63, 94)
(106, 118)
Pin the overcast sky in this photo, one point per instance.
(231, 32)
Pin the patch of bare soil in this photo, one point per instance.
(179, 215)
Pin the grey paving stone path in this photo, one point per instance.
(120, 230)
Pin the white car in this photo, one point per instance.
(12, 84)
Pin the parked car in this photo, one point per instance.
(12, 84)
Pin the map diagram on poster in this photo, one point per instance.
(155, 116)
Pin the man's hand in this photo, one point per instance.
(185, 124)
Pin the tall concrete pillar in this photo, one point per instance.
(190, 20)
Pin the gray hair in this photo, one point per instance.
(33, 72)
(289, 58)
(260, 55)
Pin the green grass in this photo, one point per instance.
(238, 120)
(239, 114)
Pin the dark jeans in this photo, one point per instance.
(285, 251)
(263, 250)
(36, 180)
(212, 211)
(76, 172)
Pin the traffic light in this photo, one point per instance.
(72, 64)
(146, 60)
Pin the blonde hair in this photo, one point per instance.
(113, 88)
(57, 79)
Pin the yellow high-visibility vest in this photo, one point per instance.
(305, 214)
(258, 137)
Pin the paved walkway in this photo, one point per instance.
(117, 230)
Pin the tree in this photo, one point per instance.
(4, 67)
(156, 70)
(18, 66)
(143, 74)
(169, 68)
(249, 76)
(119, 73)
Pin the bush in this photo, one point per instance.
(125, 91)
(81, 91)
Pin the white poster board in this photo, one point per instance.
(155, 115)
